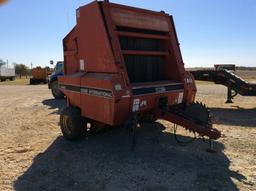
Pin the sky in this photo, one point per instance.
(210, 32)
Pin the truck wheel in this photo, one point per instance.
(12, 78)
(31, 81)
(56, 90)
(73, 125)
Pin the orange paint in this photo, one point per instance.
(122, 61)
(3, 1)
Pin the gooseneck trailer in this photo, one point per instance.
(225, 75)
(123, 65)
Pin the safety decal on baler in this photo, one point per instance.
(180, 98)
(88, 90)
(97, 92)
(137, 104)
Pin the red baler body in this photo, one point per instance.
(119, 60)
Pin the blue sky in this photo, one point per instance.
(210, 32)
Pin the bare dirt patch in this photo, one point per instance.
(34, 156)
(247, 74)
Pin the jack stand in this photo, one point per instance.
(133, 128)
(229, 96)
(211, 148)
(132, 125)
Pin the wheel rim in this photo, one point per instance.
(67, 125)
(55, 89)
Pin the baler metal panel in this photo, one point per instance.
(138, 18)
(94, 48)
(112, 49)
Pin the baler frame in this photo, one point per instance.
(100, 69)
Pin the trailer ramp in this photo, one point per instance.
(234, 83)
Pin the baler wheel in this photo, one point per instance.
(73, 125)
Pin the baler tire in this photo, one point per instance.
(57, 94)
(73, 125)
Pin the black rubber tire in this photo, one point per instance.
(12, 79)
(57, 94)
(73, 125)
(31, 81)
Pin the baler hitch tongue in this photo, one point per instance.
(195, 117)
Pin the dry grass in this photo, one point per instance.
(18, 81)
(247, 75)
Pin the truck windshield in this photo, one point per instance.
(58, 67)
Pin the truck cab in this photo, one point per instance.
(53, 80)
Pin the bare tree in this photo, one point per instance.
(21, 70)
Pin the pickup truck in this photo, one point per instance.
(53, 80)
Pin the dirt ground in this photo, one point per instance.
(34, 156)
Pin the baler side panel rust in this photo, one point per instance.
(175, 67)
(98, 108)
(70, 52)
(73, 94)
(114, 40)
(98, 104)
(128, 17)
(93, 43)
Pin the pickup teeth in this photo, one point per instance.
(196, 113)
(201, 110)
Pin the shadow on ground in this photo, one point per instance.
(105, 162)
(54, 104)
(236, 116)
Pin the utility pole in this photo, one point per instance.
(31, 65)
